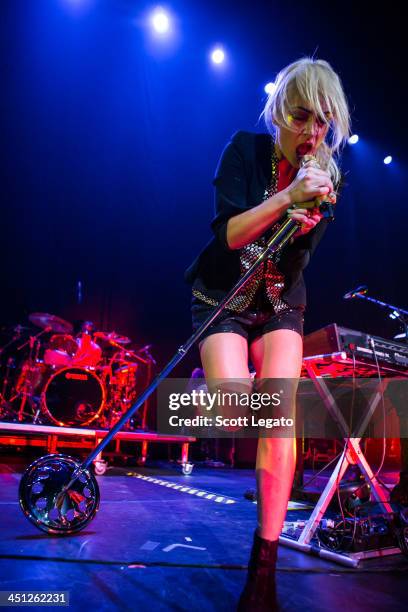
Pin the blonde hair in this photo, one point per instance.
(316, 82)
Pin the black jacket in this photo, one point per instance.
(243, 173)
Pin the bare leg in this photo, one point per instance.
(225, 355)
(277, 354)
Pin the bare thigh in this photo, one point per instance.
(225, 355)
(277, 354)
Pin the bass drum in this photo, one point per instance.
(73, 397)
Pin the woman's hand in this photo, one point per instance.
(309, 183)
(308, 218)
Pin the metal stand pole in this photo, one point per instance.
(276, 242)
(62, 509)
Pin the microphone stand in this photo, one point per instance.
(396, 311)
(278, 240)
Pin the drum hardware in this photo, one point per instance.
(49, 506)
(150, 371)
(27, 381)
(30, 377)
(19, 387)
(145, 350)
(6, 410)
(33, 339)
(120, 377)
(17, 331)
(112, 340)
(112, 337)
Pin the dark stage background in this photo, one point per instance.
(111, 139)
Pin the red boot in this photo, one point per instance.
(259, 594)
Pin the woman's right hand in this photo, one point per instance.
(309, 183)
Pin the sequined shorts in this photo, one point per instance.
(249, 324)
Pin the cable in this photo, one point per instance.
(345, 521)
(220, 566)
(372, 343)
(380, 380)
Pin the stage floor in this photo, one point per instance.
(164, 541)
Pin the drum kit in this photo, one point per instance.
(69, 380)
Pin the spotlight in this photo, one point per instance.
(353, 139)
(160, 21)
(270, 88)
(78, 6)
(387, 160)
(217, 56)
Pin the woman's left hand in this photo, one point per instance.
(308, 218)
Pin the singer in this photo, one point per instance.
(260, 180)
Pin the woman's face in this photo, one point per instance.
(306, 133)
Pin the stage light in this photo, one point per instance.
(353, 139)
(387, 160)
(78, 7)
(270, 88)
(160, 21)
(217, 55)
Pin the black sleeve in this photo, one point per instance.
(310, 240)
(230, 184)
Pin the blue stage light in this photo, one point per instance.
(218, 55)
(387, 160)
(270, 88)
(78, 7)
(160, 21)
(353, 139)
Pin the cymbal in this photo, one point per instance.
(400, 336)
(112, 337)
(56, 324)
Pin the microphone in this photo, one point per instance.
(326, 207)
(308, 158)
(361, 290)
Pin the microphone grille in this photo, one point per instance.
(305, 159)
